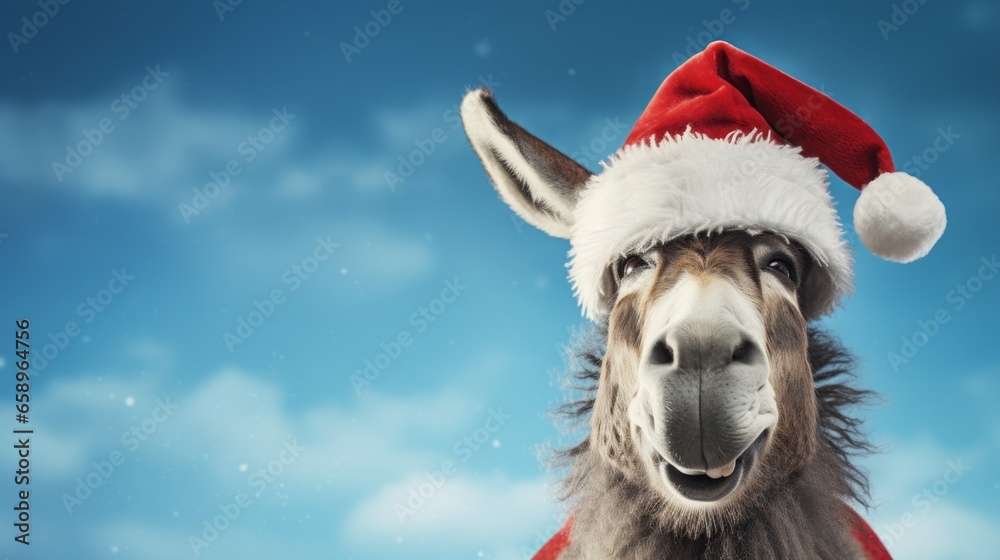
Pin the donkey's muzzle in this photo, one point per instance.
(707, 387)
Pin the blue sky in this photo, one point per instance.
(149, 421)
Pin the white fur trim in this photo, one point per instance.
(898, 217)
(690, 183)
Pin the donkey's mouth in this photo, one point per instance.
(715, 484)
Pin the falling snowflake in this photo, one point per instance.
(243, 467)
(129, 401)
(483, 48)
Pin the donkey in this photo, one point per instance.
(719, 414)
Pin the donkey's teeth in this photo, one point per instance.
(722, 471)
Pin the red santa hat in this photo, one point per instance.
(729, 142)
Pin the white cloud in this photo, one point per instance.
(401, 126)
(352, 451)
(946, 531)
(385, 256)
(336, 166)
(341, 164)
(164, 149)
(234, 418)
(981, 388)
(150, 353)
(903, 468)
(138, 540)
(62, 454)
(462, 512)
(917, 488)
(169, 540)
(345, 446)
(160, 148)
(378, 258)
(66, 436)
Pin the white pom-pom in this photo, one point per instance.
(898, 217)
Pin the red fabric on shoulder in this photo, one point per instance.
(556, 545)
(866, 537)
(862, 531)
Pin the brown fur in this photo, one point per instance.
(791, 505)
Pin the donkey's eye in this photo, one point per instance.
(783, 267)
(630, 265)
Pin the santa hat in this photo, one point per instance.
(729, 142)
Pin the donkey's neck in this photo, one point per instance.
(801, 518)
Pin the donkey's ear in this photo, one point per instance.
(537, 181)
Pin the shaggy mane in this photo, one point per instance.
(796, 525)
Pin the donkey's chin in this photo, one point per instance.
(714, 485)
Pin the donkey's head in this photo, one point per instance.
(706, 383)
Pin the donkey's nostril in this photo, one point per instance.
(745, 352)
(662, 354)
